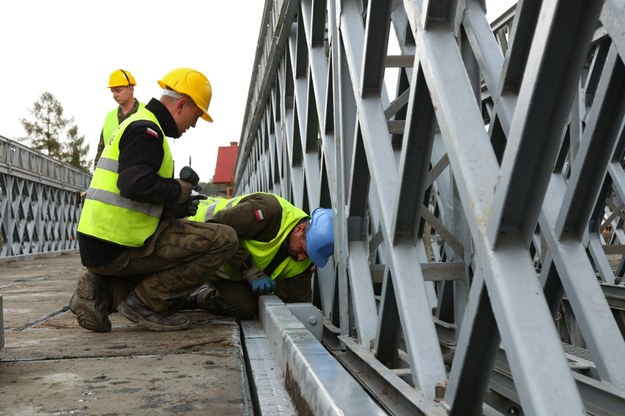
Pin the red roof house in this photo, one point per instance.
(224, 169)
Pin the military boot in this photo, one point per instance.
(188, 302)
(240, 303)
(202, 297)
(133, 309)
(92, 302)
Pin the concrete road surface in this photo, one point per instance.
(51, 366)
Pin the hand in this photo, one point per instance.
(188, 208)
(187, 174)
(185, 191)
(191, 207)
(262, 285)
(193, 202)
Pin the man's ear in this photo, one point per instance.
(301, 227)
(180, 104)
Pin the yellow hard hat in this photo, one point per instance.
(192, 83)
(121, 78)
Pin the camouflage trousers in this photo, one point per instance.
(176, 260)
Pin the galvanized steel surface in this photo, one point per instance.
(496, 156)
(39, 201)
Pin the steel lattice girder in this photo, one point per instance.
(469, 203)
(39, 201)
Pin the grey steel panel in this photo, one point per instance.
(39, 201)
(320, 382)
(271, 395)
(493, 155)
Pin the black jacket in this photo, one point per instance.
(140, 157)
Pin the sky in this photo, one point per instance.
(70, 47)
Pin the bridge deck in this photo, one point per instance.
(49, 365)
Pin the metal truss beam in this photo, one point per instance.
(476, 175)
(39, 201)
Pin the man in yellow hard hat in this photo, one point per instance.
(122, 85)
(141, 257)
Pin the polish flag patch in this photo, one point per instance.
(151, 131)
(259, 215)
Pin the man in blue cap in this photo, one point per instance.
(279, 246)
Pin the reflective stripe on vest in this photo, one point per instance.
(109, 216)
(206, 209)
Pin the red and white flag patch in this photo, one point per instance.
(151, 131)
(259, 215)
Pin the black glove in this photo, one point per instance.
(187, 174)
(188, 208)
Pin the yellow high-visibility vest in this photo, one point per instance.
(109, 216)
(111, 122)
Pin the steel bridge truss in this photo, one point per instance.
(39, 201)
(478, 195)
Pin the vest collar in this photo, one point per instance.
(164, 118)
